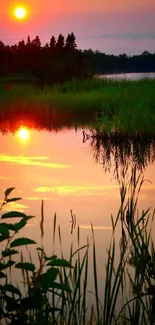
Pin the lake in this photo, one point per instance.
(70, 170)
(130, 76)
(60, 169)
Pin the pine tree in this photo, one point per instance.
(28, 41)
(52, 42)
(60, 42)
(70, 42)
(21, 45)
(37, 42)
(2, 46)
(73, 41)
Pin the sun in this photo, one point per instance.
(20, 12)
(23, 133)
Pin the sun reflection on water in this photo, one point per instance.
(23, 133)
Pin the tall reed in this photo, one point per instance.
(56, 290)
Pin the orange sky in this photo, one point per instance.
(39, 6)
(113, 26)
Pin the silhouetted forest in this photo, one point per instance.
(60, 60)
(57, 60)
(103, 63)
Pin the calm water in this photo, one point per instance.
(130, 76)
(68, 174)
(60, 169)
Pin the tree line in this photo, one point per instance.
(103, 63)
(60, 60)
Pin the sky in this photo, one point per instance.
(113, 26)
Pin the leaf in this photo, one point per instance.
(13, 214)
(60, 286)
(33, 302)
(2, 275)
(3, 238)
(9, 190)
(4, 266)
(10, 226)
(12, 289)
(4, 230)
(28, 217)
(22, 241)
(9, 252)
(13, 199)
(47, 279)
(26, 266)
(19, 225)
(59, 262)
(50, 258)
(12, 304)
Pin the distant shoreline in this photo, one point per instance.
(32, 79)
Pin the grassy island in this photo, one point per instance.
(122, 106)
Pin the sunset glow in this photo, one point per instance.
(20, 12)
(112, 27)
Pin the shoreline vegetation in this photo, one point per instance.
(55, 290)
(123, 107)
(55, 84)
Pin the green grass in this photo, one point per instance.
(55, 290)
(123, 106)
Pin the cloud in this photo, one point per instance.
(6, 178)
(137, 36)
(85, 190)
(33, 222)
(13, 206)
(88, 190)
(32, 161)
(38, 198)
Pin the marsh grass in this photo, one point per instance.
(123, 106)
(56, 291)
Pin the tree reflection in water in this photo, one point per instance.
(119, 152)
